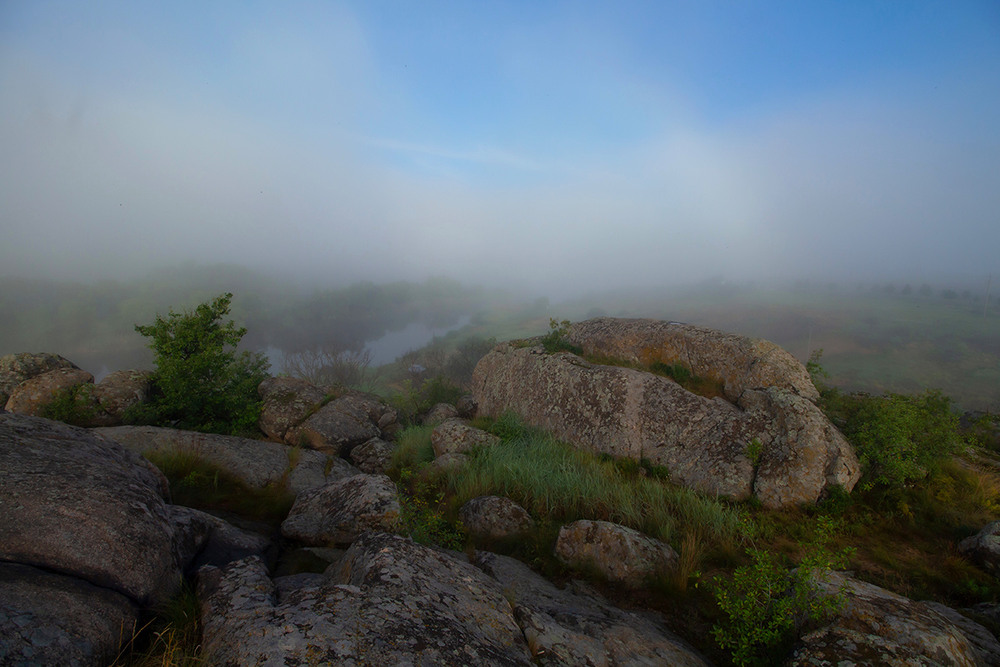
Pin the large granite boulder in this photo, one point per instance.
(390, 602)
(618, 553)
(563, 627)
(255, 462)
(375, 456)
(117, 392)
(341, 510)
(876, 626)
(34, 395)
(287, 402)
(54, 619)
(80, 505)
(16, 368)
(739, 362)
(777, 445)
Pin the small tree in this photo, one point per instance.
(200, 382)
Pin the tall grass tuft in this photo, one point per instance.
(552, 479)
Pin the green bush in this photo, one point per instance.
(200, 382)
(764, 602)
(555, 340)
(898, 438)
(73, 405)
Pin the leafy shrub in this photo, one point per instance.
(898, 438)
(73, 405)
(200, 382)
(764, 603)
(421, 516)
(555, 340)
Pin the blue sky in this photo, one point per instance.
(593, 143)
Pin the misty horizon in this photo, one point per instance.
(555, 149)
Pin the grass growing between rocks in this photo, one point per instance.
(552, 479)
(197, 483)
(170, 639)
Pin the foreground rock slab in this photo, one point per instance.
(52, 619)
(256, 462)
(877, 626)
(391, 602)
(566, 628)
(78, 504)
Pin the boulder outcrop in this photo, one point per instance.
(983, 548)
(54, 619)
(117, 392)
(34, 395)
(563, 627)
(618, 553)
(739, 362)
(390, 602)
(775, 443)
(876, 626)
(341, 510)
(83, 506)
(257, 463)
(374, 456)
(16, 368)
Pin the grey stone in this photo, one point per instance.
(391, 602)
(16, 368)
(287, 402)
(983, 548)
(494, 517)
(53, 619)
(374, 456)
(119, 391)
(705, 443)
(34, 395)
(256, 463)
(204, 539)
(456, 436)
(83, 506)
(618, 553)
(439, 413)
(876, 626)
(565, 628)
(340, 425)
(340, 511)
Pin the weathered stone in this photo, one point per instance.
(494, 517)
(439, 413)
(618, 553)
(375, 456)
(983, 548)
(119, 391)
(53, 619)
(739, 362)
(202, 539)
(467, 406)
(340, 425)
(16, 368)
(705, 443)
(565, 628)
(34, 395)
(876, 626)
(256, 463)
(455, 436)
(391, 602)
(287, 402)
(77, 504)
(340, 511)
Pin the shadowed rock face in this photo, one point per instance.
(707, 444)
